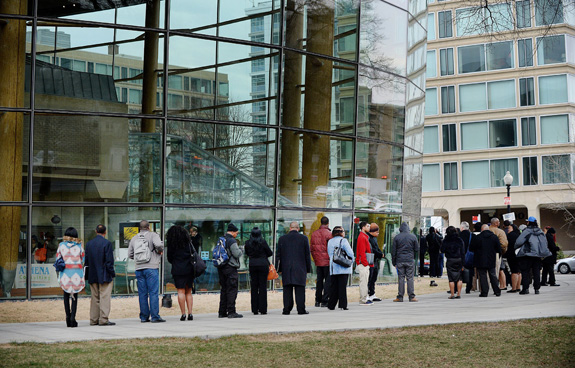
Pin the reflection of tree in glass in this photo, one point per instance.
(372, 38)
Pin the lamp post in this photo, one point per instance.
(508, 179)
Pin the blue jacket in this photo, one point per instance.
(99, 261)
(334, 268)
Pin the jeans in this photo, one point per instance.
(322, 285)
(148, 281)
(405, 271)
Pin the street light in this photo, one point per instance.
(508, 179)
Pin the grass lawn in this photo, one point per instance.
(526, 343)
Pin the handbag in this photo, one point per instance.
(370, 257)
(197, 262)
(60, 265)
(465, 274)
(167, 301)
(341, 257)
(272, 274)
(468, 260)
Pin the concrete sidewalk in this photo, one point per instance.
(431, 309)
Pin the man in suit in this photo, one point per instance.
(293, 263)
(99, 263)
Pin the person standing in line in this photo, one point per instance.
(532, 245)
(485, 246)
(258, 251)
(454, 249)
(72, 278)
(319, 239)
(494, 228)
(512, 235)
(147, 272)
(180, 253)
(433, 247)
(466, 235)
(339, 274)
(403, 251)
(422, 252)
(476, 231)
(549, 262)
(363, 266)
(293, 262)
(100, 273)
(228, 274)
(197, 241)
(378, 255)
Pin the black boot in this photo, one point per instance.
(68, 322)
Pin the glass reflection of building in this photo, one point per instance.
(256, 113)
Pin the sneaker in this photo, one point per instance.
(375, 299)
(397, 300)
(369, 302)
(413, 300)
(159, 320)
(235, 315)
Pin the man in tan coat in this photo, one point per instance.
(494, 228)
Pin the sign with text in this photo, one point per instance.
(509, 216)
(43, 275)
(507, 201)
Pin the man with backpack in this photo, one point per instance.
(531, 247)
(228, 272)
(146, 250)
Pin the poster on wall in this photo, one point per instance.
(43, 276)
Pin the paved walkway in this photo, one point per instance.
(431, 309)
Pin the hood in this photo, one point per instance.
(486, 233)
(404, 228)
(536, 230)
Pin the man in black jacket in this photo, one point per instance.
(378, 255)
(485, 246)
(433, 247)
(99, 263)
(293, 262)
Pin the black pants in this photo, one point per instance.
(338, 292)
(469, 285)
(548, 270)
(299, 298)
(530, 266)
(433, 264)
(70, 312)
(422, 262)
(373, 271)
(322, 285)
(492, 279)
(229, 289)
(259, 284)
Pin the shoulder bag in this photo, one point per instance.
(197, 262)
(341, 257)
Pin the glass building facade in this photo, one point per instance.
(200, 114)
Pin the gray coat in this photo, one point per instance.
(156, 245)
(533, 243)
(234, 251)
(404, 246)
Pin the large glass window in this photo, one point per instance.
(14, 254)
(431, 139)
(431, 27)
(475, 174)
(472, 97)
(500, 55)
(523, 9)
(447, 100)
(553, 89)
(526, 91)
(474, 135)
(555, 129)
(431, 178)
(431, 71)
(469, 21)
(501, 94)
(445, 24)
(471, 58)
(450, 176)
(548, 12)
(499, 168)
(528, 131)
(431, 101)
(551, 50)
(502, 133)
(446, 61)
(525, 52)
(449, 137)
(530, 176)
(557, 169)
